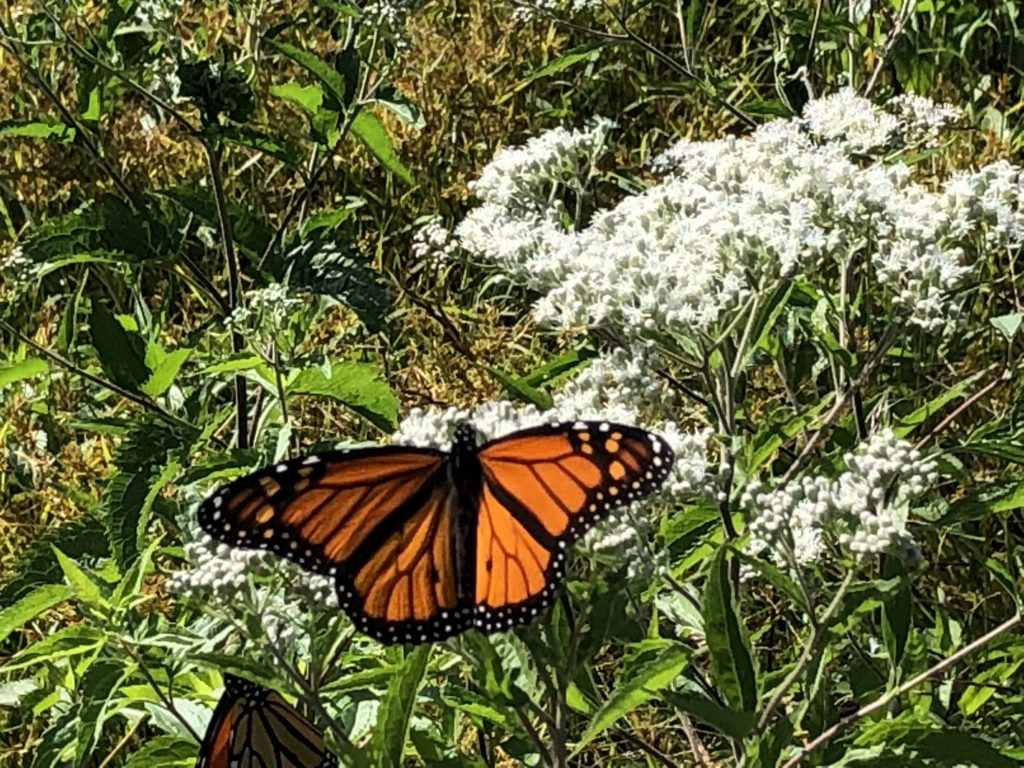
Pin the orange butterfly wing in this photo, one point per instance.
(254, 727)
(543, 488)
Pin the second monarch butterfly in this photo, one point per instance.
(254, 727)
(423, 544)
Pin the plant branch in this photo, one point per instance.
(845, 724)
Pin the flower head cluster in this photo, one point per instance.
(434, 243)
(532, 9)
(271, 306)
(16, 268)
(864, 510)
(732, 217)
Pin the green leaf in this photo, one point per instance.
(85, 588)
(374, 135)
(247, 228)
(399, 104)
(32, 366)
(262, 141)
(356, 385)
(31, 129)
(69, 641)
(164, 366)
(396, 708)
(896, 611)
(57, 741)
(731, 664)
(31, 605)
(165, 751)
(309, 98)
(98, 686)
(122, 353)
(735, 725)
(328, 76)
(522, 391)
(36, 565)
(1008, 325)
(563, 62)
(645, 684)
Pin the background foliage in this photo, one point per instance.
(166, 168)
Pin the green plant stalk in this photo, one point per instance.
(810, 648)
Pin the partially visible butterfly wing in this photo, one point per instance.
(544, 488)
(404, 584)
(318, 510)
(254, 727)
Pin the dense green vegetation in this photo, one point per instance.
(226, 236)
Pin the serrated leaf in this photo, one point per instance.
(396, 708)
(645, 684)
(69, 641)
(374, 135)
(732, 665)
(32, 366)
(85, 588)
(31, 605)
(356, 385)
(36, 565)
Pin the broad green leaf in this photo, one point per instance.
(308, 97)
(85, 588)
(32, 366)
(374, 135)
(320, 69)
(396, 708)
(984, 501)
(400, 105)
(121, 352)
(164, 366)
(55, 131)
(31, 605)
(731, 664)
(356, 385)
(69, 641)
(1008, 325)
(645, 684)
(234, 363)
(735, 725)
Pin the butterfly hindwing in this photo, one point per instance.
(254, 727)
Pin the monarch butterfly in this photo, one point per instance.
(254, 727)
(423, 544)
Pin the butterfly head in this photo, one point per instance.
(466, 437)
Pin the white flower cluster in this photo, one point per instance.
(865, 509)
(731, 218)
(16, 268)
(220, 573)
(270, 306)
(612, 388)
(532, 9)
(434, 243)
(390, 14)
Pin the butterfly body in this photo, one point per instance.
(423, 544)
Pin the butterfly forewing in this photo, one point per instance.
(317, 510)
(543, 489)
